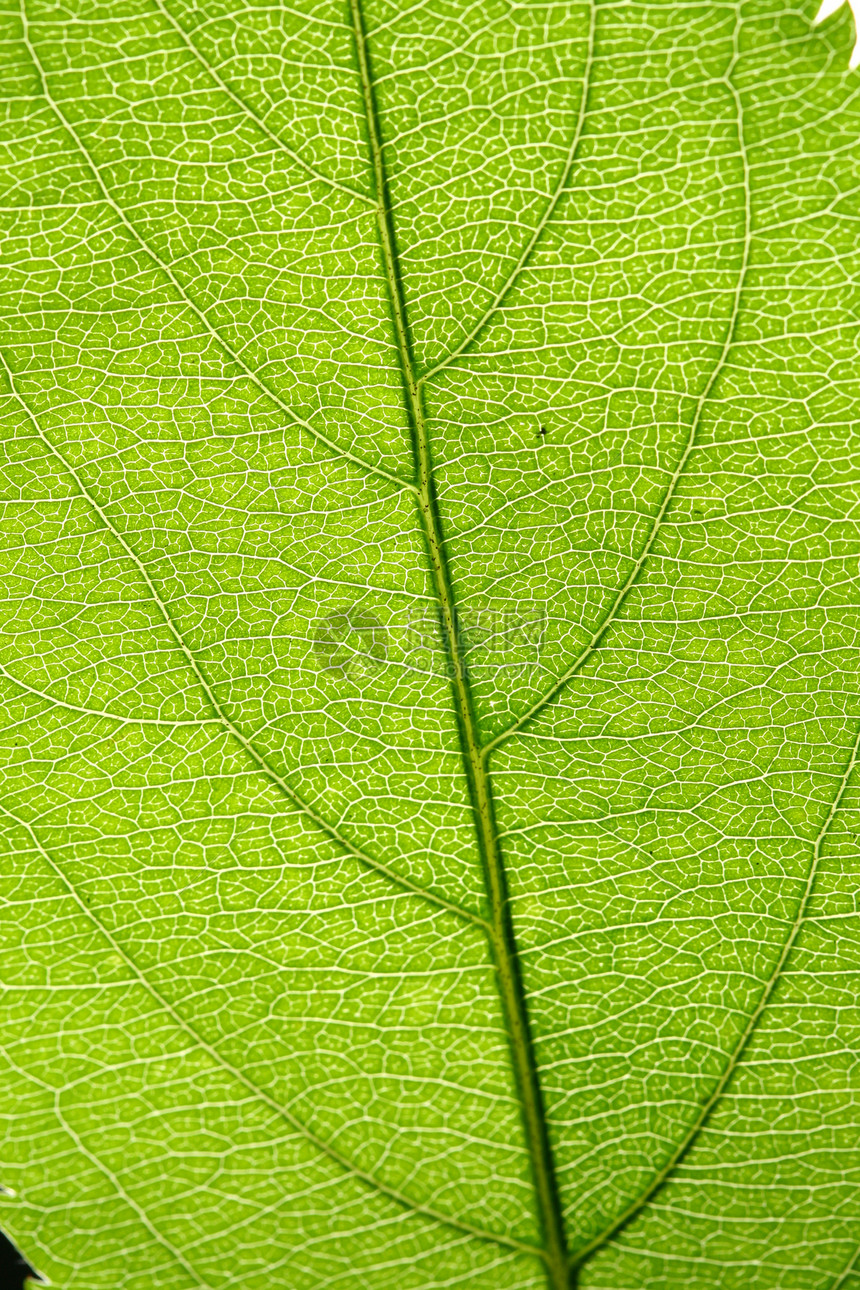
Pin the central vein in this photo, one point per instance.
(480, 789)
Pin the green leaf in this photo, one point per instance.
(430, 645)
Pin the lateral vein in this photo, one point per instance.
(580, 1256)
(166, 1244)
(105, 716)
(546, 217)
(293, 1120)
(258, 121)
(842, 1277)
(336, 449)
(770, 985)
(229, 726)
(657, 524)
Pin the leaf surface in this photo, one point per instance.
(429, 661)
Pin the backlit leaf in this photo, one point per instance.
(429, 655)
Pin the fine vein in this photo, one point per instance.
(501, 935)
(141, 1214)
(197, 1039)
(580, 1256)
(165, 268)
(229, 726)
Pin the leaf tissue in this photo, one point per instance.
(429, 657)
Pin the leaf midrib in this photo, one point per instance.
(332, 830)
(396, 878)
(413, 889)
(501, 932)
(559, 1267)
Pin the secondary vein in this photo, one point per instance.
(845, 1273)
(100, 713)
(258, 121)
(580, 1256)
(707, 1107)
(501, 934)
(115, 1182)
(293, 1120)
(544, 220)
(366, 466)
(215, 706)
(689, 446)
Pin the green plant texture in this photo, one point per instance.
(429, 656)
